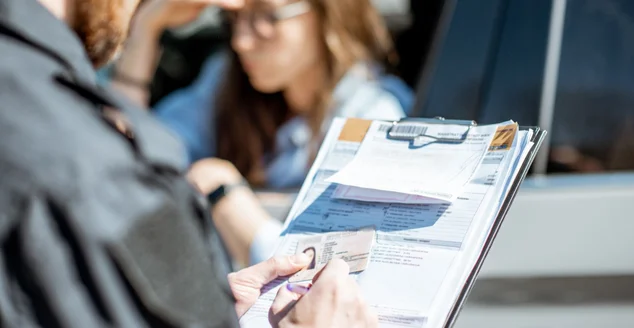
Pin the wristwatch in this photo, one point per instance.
(223, 190)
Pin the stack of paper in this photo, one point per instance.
(428, 236)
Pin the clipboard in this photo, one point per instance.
(353, 131)
(538, 138)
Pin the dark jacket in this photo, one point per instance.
(98, 228)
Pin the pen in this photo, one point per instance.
(298, 289)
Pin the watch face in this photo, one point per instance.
(216, 195)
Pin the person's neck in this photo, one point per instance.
(302, 94)
(62, 9)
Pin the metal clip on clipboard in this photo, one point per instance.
(408, 129)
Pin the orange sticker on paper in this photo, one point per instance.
(503, 138)
(354, 130)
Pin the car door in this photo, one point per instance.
(565, 254)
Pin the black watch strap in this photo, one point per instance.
(215, 196)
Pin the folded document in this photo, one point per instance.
(381, 196)
(431, 169)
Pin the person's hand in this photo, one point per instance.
(208, 174)
(157, 15)
(247, 283)
(334, 300)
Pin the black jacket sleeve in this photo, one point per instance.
(56, 273)
(41, 281)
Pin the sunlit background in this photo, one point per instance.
(565, 255)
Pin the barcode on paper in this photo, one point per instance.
(408, 130)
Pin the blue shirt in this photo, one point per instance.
(363, 92)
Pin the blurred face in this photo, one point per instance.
(311, 253)
(277, 41)
(102, 26)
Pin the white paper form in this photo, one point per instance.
(417, 244)
(435, 170)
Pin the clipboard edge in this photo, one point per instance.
(538, 139)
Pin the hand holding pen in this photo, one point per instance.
(332, 300)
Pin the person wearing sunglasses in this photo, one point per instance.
(257, 113)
